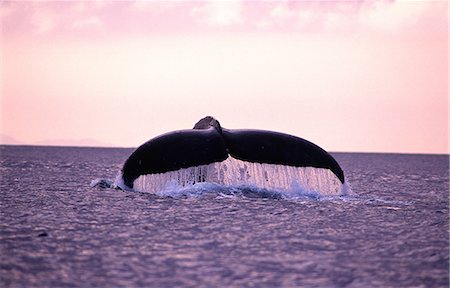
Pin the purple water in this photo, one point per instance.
(57, 231)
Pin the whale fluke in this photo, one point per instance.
(210, 153)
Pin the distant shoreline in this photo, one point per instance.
(118, 147)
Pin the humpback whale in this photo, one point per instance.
(211, 153)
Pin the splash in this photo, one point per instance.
(236, 173)
(214, 190)
(101, 183)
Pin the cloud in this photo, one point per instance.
(392, 16)
(43, 21)
(142, 17)
(282, 12)
(6, 10)
(86, 23)
(219, 13)
(154, 7)
(376, 15)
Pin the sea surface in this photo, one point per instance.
(56, 230)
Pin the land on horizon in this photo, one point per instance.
(94, 143)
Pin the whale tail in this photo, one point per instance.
(210, 153)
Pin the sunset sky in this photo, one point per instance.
(351, 76)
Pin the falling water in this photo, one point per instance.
(234, 172)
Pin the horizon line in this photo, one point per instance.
(130, 147)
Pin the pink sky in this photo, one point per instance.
(350, 76)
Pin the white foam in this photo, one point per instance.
(101, 183)
(236, 173)
(120, 184)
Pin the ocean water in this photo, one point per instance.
(58, 231)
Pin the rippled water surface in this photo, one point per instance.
(58, 231)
